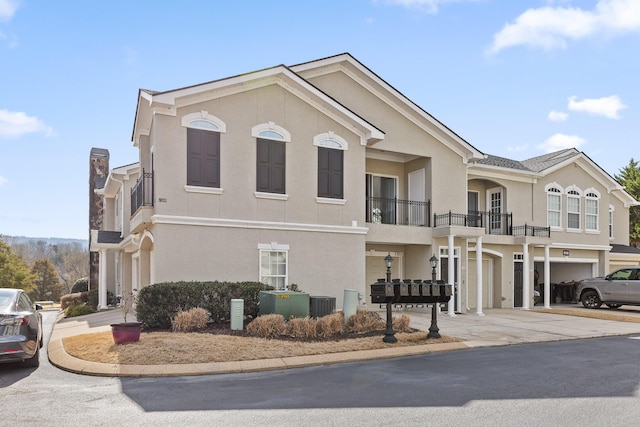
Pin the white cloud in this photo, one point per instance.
(430, 6)
(561, 141)
(607, 107)
(557, 116)
(7, 9)
(15, 124)
(3, 180)
(551, 27)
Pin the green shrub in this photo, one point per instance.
(80, 285)
(78, 310)
(159, 303)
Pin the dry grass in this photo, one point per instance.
(603, 314)
(159, 348)
(190, 320)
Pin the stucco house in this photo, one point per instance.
(311, 174)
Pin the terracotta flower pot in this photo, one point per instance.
(126, 332)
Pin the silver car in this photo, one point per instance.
(622, 287)
(20, 328)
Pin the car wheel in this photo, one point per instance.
(613, 306)
(590, 299)
(34, 362)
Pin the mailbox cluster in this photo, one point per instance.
(410, 292)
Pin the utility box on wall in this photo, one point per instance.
(287, 303)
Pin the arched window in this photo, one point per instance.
(203, 149)
(573, 208)
(331, 148)
(554, 205)
(271, 157)
(591, 209)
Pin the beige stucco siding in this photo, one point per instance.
(319, 263)
(241, 112)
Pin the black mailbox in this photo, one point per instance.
(406, 292)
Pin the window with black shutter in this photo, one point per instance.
(330, 173)
(203, 158)
(271, 166)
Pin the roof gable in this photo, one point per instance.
(366, 78)
(167, 102)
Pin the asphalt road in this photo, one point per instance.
(582, 382)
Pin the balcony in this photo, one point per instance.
(531, 231)
(398, 212)
(493, 223)
(142, 192)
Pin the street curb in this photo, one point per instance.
(61, 359)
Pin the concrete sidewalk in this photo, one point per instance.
(496, 328)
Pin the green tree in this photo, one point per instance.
(629, 178)
(14, 272)
(47, 285)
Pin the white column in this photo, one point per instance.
(102, 280)
(479, 277)
(526, 295)
(451, 276)
(547, 278)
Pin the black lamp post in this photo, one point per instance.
(434, 332)
(389, 333)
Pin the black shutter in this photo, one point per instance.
(271, 166)
(203, 158)
(330, 173)
(263, 166)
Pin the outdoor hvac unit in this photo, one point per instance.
(321, 306)
(287, 303)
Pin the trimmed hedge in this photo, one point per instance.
(157, 304)
(87, 297)
(80, 285)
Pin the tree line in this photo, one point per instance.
(46, 271)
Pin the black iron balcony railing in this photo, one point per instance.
(531, 230)
(381, 210)
(493, 223)
(142, 192)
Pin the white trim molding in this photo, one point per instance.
(259, 225)
(204, 116)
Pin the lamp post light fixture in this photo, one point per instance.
(389, 333)
(434, 332)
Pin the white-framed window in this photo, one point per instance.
(271, 155)
(573, 208)
(331, 148)
(591, 210)
(274, 266)
(203, 149)
(610, 222)
(554, 205)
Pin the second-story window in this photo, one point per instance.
(554, 207)
(573, 209)
(611, 222)
(330, 165)
(271, 158)
(203, 158)
(203, 149)
(591, 211)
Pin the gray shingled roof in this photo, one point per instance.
(624, 249)
(540, 163)
(503, 162)
(534, 164)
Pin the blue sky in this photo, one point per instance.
(513, 78)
